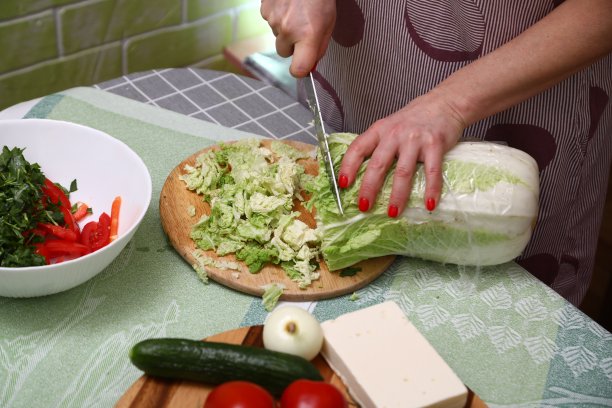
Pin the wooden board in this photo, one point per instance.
(151, 392)
(174, 201)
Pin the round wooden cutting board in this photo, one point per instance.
(152, 392)
(174, 202)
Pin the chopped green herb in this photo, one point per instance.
(23, 206)
(20, 209)
(73, 186)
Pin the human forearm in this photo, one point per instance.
(570, 38)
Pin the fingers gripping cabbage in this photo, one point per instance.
(485, 215)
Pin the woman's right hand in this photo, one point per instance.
(302, 29)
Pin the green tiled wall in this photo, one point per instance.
(88, 67)
(41, 39)
(180, 45)
(50, 45)
(197, 9)
(15, 8)
(85, 25)
(247, 24)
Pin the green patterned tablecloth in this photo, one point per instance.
(509, 338)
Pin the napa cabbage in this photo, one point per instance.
(485, 215)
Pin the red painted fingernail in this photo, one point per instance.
(342, 181)
(364, 204)
(392, 211)
(431, 204)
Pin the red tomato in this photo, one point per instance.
(96, 234)
(239, 394)
(312, 394)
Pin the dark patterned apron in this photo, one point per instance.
(384, 53)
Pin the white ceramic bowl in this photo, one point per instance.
(104, 168)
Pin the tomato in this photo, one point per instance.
(312, 394)
(239, 394)
(105, 220)
(96, 234)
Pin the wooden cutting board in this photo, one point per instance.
(151, 392)
(174, 201)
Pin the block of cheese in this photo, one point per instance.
(386, 363)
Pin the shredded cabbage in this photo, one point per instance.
(271, 295)
(251, 192)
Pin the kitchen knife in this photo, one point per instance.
(313, 103)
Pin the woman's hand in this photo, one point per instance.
(423, 131)
(302, 29)
(572, 36)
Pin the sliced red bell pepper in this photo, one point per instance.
(55, 194)
(34, 231)
(68, 241)
(69, 221)
(81, 212)
(40, 250)
(60, 232)
(114, 219)
(59, 247)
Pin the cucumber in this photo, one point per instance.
(216, 363)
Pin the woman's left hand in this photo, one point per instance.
(572, 36)
(422, 131)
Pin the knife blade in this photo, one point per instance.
(313, 103)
